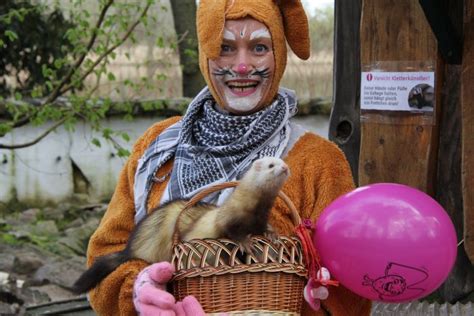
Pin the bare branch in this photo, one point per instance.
(36, 140)
(66, 85)
(22, 122)
(57, 91)
(110, 50)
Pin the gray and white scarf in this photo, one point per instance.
(210, 147)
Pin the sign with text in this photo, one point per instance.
(397, 91)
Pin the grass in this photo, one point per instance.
(311, 79)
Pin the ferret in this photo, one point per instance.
(244, 213)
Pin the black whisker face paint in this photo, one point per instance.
(223, 72)
(264, 73)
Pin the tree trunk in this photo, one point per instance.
(184, 16)
(344, 128)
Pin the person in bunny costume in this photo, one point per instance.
(240, 116)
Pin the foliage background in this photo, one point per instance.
(80, 58)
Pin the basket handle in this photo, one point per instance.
(295, 217)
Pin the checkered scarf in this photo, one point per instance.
(210, 147)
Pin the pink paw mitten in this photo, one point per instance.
(151, 298)
(315, 291)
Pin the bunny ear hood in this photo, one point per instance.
(295, 24)
(285, 19)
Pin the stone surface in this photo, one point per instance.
(44, 228)
(40, 261)
(27, 262)
(29, 215)
(6, 261)
(63, 273)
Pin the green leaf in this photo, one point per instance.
(125, 137)
(5, 129)
(12, 36)
(58, 63)
(37, 92)
(122, 152)
(160, 42)
(96, 142)
(106, 132)
(111, 76)
(161, 77)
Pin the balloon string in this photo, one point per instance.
(310, 256)
(461, 242)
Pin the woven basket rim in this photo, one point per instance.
(288, 268)
(286, 257)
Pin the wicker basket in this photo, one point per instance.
(271, 282)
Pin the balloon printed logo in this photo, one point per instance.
(398, 278)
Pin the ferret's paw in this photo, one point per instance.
(270, 233)
(246, 246)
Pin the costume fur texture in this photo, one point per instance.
(319, 174)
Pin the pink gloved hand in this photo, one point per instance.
(315, 291)
(150, 296)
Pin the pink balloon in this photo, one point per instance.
(387, 242)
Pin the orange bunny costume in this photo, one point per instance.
(319, 170)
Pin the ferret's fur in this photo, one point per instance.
(243, 214)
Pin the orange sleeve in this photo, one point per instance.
(113, 295)
(321, 174)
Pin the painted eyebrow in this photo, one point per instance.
(261, 33)
(228, 35)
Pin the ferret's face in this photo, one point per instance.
(270, 171)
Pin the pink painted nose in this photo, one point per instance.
(242, 69)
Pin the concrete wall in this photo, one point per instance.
(66, 165)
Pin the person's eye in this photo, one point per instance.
(260, 48)
(226, 49)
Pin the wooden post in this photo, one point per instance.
(344, 127)
(468, 129)
(460, 281)
(404, 149)
(427, 156)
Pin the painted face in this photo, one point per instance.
(390, 285)
(243, 72)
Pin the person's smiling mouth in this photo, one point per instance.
(242, 87)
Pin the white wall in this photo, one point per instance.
(44, 174)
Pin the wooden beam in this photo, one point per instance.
(468, 129)
(344, 126)
(403, 148)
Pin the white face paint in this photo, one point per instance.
(243, 104)
(228, 35)
(243, 73)
(261, 33)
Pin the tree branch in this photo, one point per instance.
(110, 50)
(57, 91)
(36, 140)
(22, 122)
(65, 84)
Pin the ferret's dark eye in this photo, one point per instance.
(271, 166)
